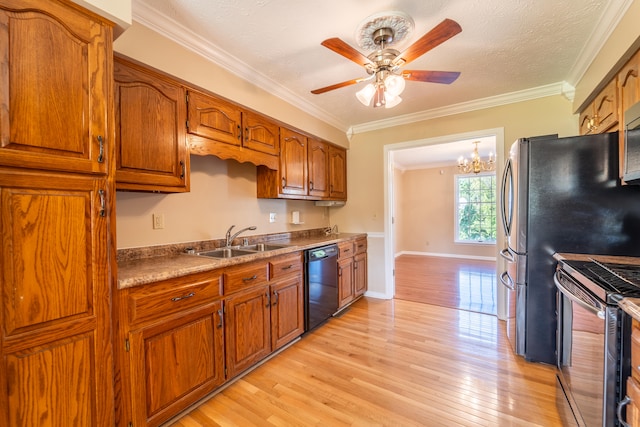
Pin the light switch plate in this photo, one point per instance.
(158, 221)
(272, 217)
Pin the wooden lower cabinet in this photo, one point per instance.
(248, 328)
(633, 381)
(352, 271)
(175, 362)
(56, 365)
(287, 311)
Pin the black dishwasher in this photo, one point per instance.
(320, 285)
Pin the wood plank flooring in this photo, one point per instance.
(391, 363)
(466, 284)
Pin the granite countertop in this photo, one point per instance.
(630, 306)
(138, 271)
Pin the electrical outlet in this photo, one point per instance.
(272, 217)
(158, 221)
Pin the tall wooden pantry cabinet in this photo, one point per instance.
(56, 195)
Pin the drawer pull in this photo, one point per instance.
(189, 295)
(248, 279)
(347, 250)
(288, 267)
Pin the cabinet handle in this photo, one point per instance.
(220, 317)
(248, 279)
(288, 267)
(268, 295)
(246, 134)
(310, 185)
(275, 294)
(355, 265)
(284, 182)
(347, 250)
(339, 271)
(183, 170)
(101, 153)
(189, 295)
(239, 133)
(103, 208)
(624, 402)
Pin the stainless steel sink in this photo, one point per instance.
(261, 247)
(225, 253)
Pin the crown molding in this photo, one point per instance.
(186, 38)
(560, 88)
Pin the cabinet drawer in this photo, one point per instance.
(244, 276)
(152, 302)
(360, 246)
(345, 249)
(285, 265)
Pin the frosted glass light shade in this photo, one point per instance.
(394, 85)
(392, 100)
(365, 94)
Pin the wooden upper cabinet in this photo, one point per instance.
(260, 134)
(55, 98)
(602, 114)
(150, 130)
(318, 165)
(223, 129)
(337, 173)
(629, 84)
(293, 163)
(213, 118)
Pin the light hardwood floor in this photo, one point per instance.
(466, 284)
(391, 363)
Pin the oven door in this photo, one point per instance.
(581, 350)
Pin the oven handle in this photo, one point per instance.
(624, 402)
(598, 311)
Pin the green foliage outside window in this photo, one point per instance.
(476, 208)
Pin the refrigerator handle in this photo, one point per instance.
(507, 281)
(507, 214)
(508, 255)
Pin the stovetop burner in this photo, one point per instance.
(614, 281)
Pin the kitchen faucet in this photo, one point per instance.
(230, 237)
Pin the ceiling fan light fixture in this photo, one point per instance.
(392, 101)
(394, 85)
(365, 95)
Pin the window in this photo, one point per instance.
(475, 208)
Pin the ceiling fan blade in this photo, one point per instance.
(446, 77)
(336, 86)
(439, 34)
(342, 48)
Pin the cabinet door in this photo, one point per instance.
(176, 362)
(150, 131)
(287, 311)
(260, 134)
(337, 173)
(214, 118)
(56, 366)
(55, 87)
(586, 121)
(318, 163)
(345, 282)
(247, 328)
(629, 83)
(293, 163)
(359, 274)
(605, 108)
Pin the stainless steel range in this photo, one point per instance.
(593, 335)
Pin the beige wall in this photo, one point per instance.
(425, 215)
(118, 11)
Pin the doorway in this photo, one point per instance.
(436, 148)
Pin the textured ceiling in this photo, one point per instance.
(505, 46)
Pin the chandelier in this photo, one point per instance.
(476, 165)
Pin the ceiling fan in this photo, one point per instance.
(384, 64)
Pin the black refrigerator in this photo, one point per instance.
(559, 195)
